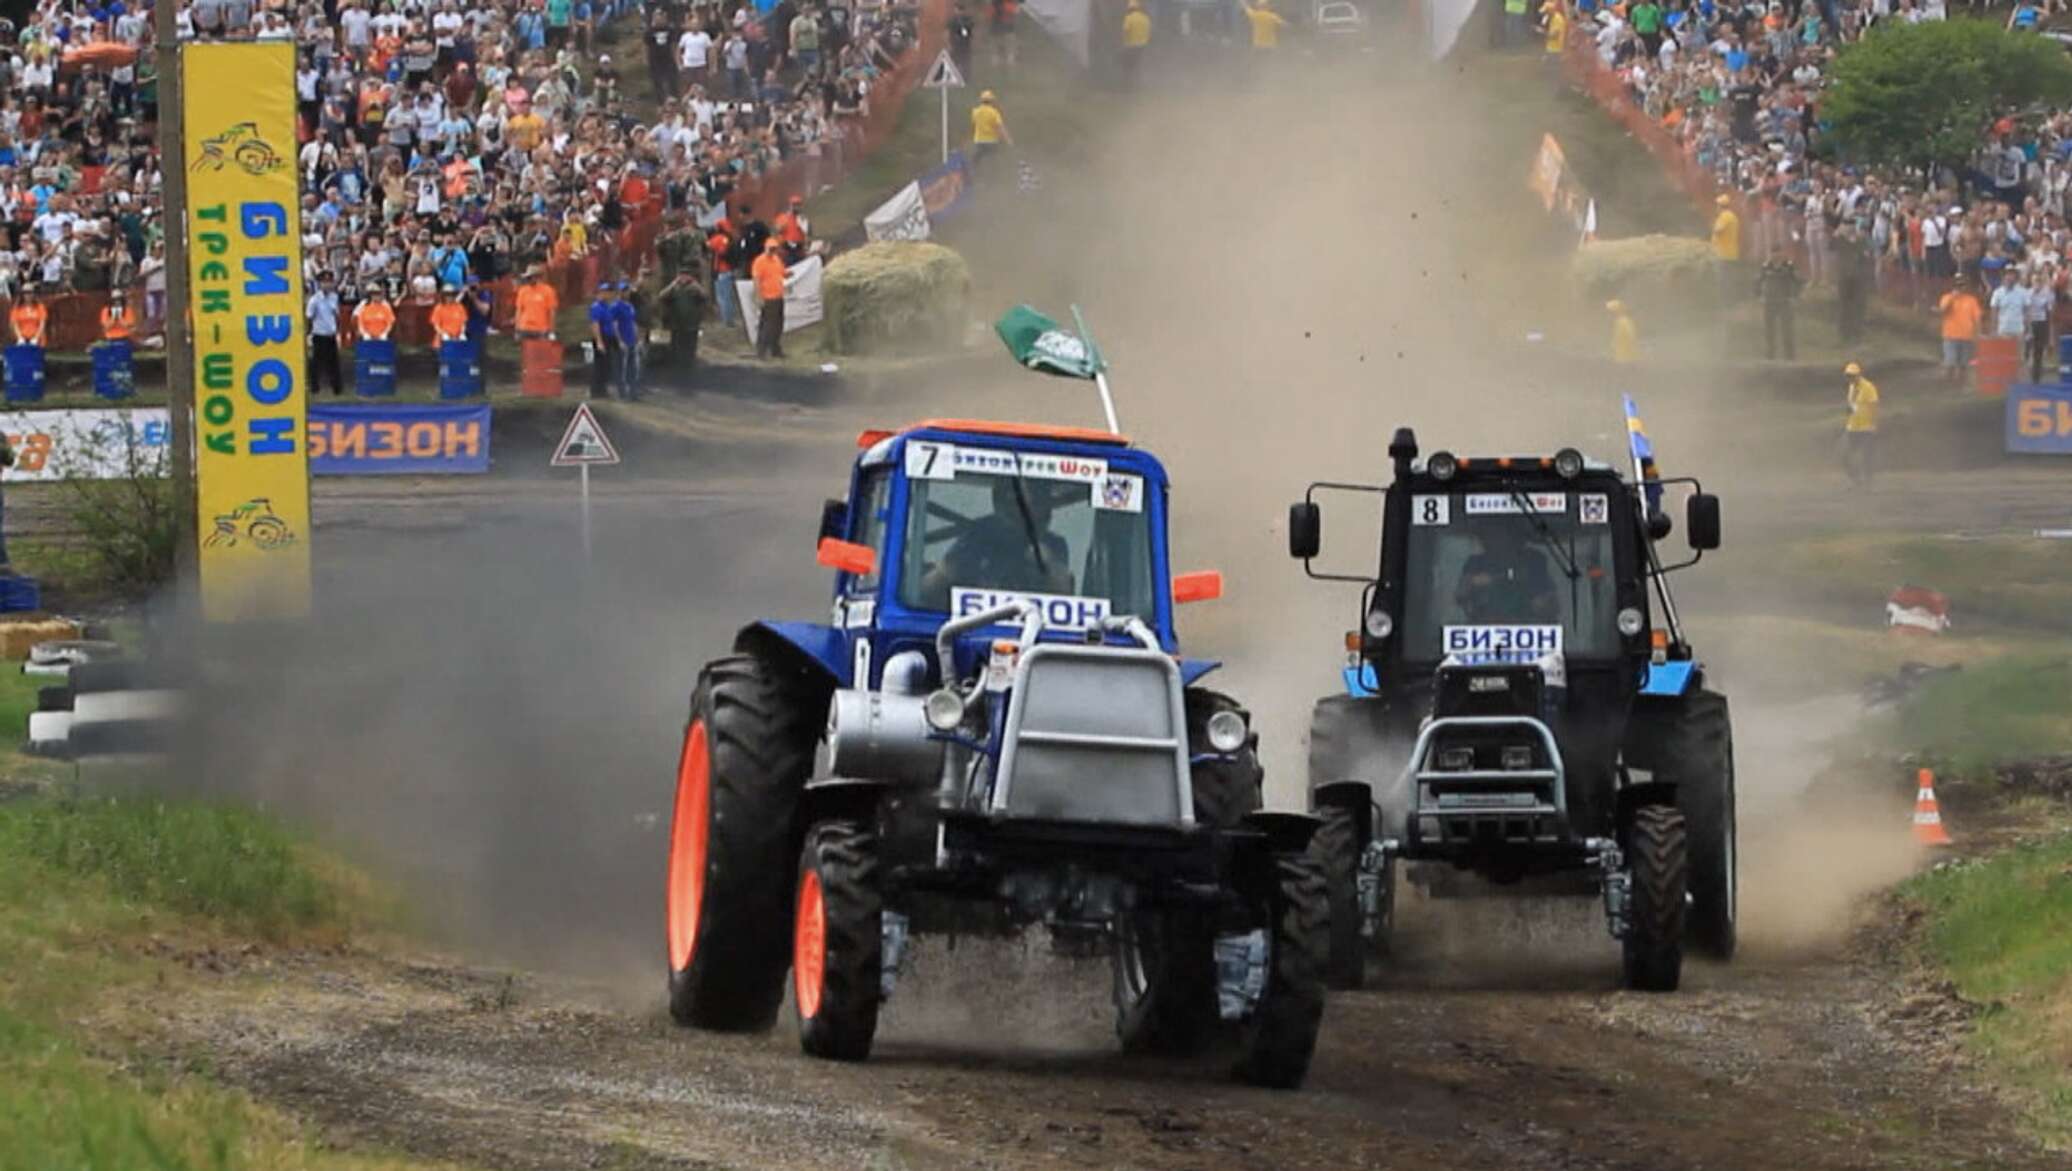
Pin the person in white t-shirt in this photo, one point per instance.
(694, 56)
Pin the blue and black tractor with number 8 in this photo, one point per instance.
(993, 730)
(1521, 706)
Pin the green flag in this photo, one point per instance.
(1042, 344)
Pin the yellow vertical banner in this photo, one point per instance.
(244, 240)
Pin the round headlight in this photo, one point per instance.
(1379, 624)
(1227, 731)
(1442, 465)
(944, 710)
(1568, 463)
(1630, 621)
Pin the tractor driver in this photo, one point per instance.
(1507, 580)
(1011, 548)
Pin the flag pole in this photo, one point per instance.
(1100, 371)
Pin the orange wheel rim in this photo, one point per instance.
(688, 833)
(809, 946)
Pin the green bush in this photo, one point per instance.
(1914, 94)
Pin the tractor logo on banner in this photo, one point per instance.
(253, 521)
(240, 144)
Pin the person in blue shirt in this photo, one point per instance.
(626, 330)
(604, 334)
(450, 262)
(480, 304)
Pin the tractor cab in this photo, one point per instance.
(947, 519)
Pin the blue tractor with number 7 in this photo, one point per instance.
(1521, 705)
(992, 730)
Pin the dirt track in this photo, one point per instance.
(1821, 1063)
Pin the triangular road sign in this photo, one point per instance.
(584, 442)
(943, 74)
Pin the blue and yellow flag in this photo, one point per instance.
(1643, 454)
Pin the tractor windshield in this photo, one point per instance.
(974, 537)
(1510, 573)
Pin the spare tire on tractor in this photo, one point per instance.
(734, 838)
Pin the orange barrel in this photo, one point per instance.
(539, 373)
(1999, 363)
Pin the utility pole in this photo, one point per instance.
(179, 331)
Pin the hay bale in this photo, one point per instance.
(19, 633)
(896, 296)
(1648, 270)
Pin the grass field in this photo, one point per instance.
(2002, 928)
(87, 885)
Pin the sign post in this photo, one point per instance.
(583, 445)
(942, 78)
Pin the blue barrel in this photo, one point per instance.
(115, 370)
(460, 375)
(2065, 358)
(374, 368)
(24, 373)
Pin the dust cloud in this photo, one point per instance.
(1282, 274)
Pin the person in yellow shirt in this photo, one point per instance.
(1625, 338)
(1136, 37)
(1726, 248)
(1860, 431)
(988, 128)
(1266, 24)
(1557, 27)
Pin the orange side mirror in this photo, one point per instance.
(1202, 586)
(847, 556)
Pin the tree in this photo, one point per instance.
(1916, 94)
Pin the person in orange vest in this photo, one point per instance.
(793, 229)
(118, 320)
(449, 316)
(374, 317)
(768, 274)
(537, 304)
(720, 244)
(29, 317)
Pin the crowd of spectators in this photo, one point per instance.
(1737, 85)
(440, 141)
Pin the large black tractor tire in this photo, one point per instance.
(1701, 756)
(838, 941)
(1225, 787)
(733, 839)
(1280, 1037)
(1657, 858)
(1165, 984)
(1338, 845)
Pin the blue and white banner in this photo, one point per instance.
(87, 444)
(946, 189)
(2039, 419)
(410, 439)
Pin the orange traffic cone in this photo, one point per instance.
(1928, 826)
